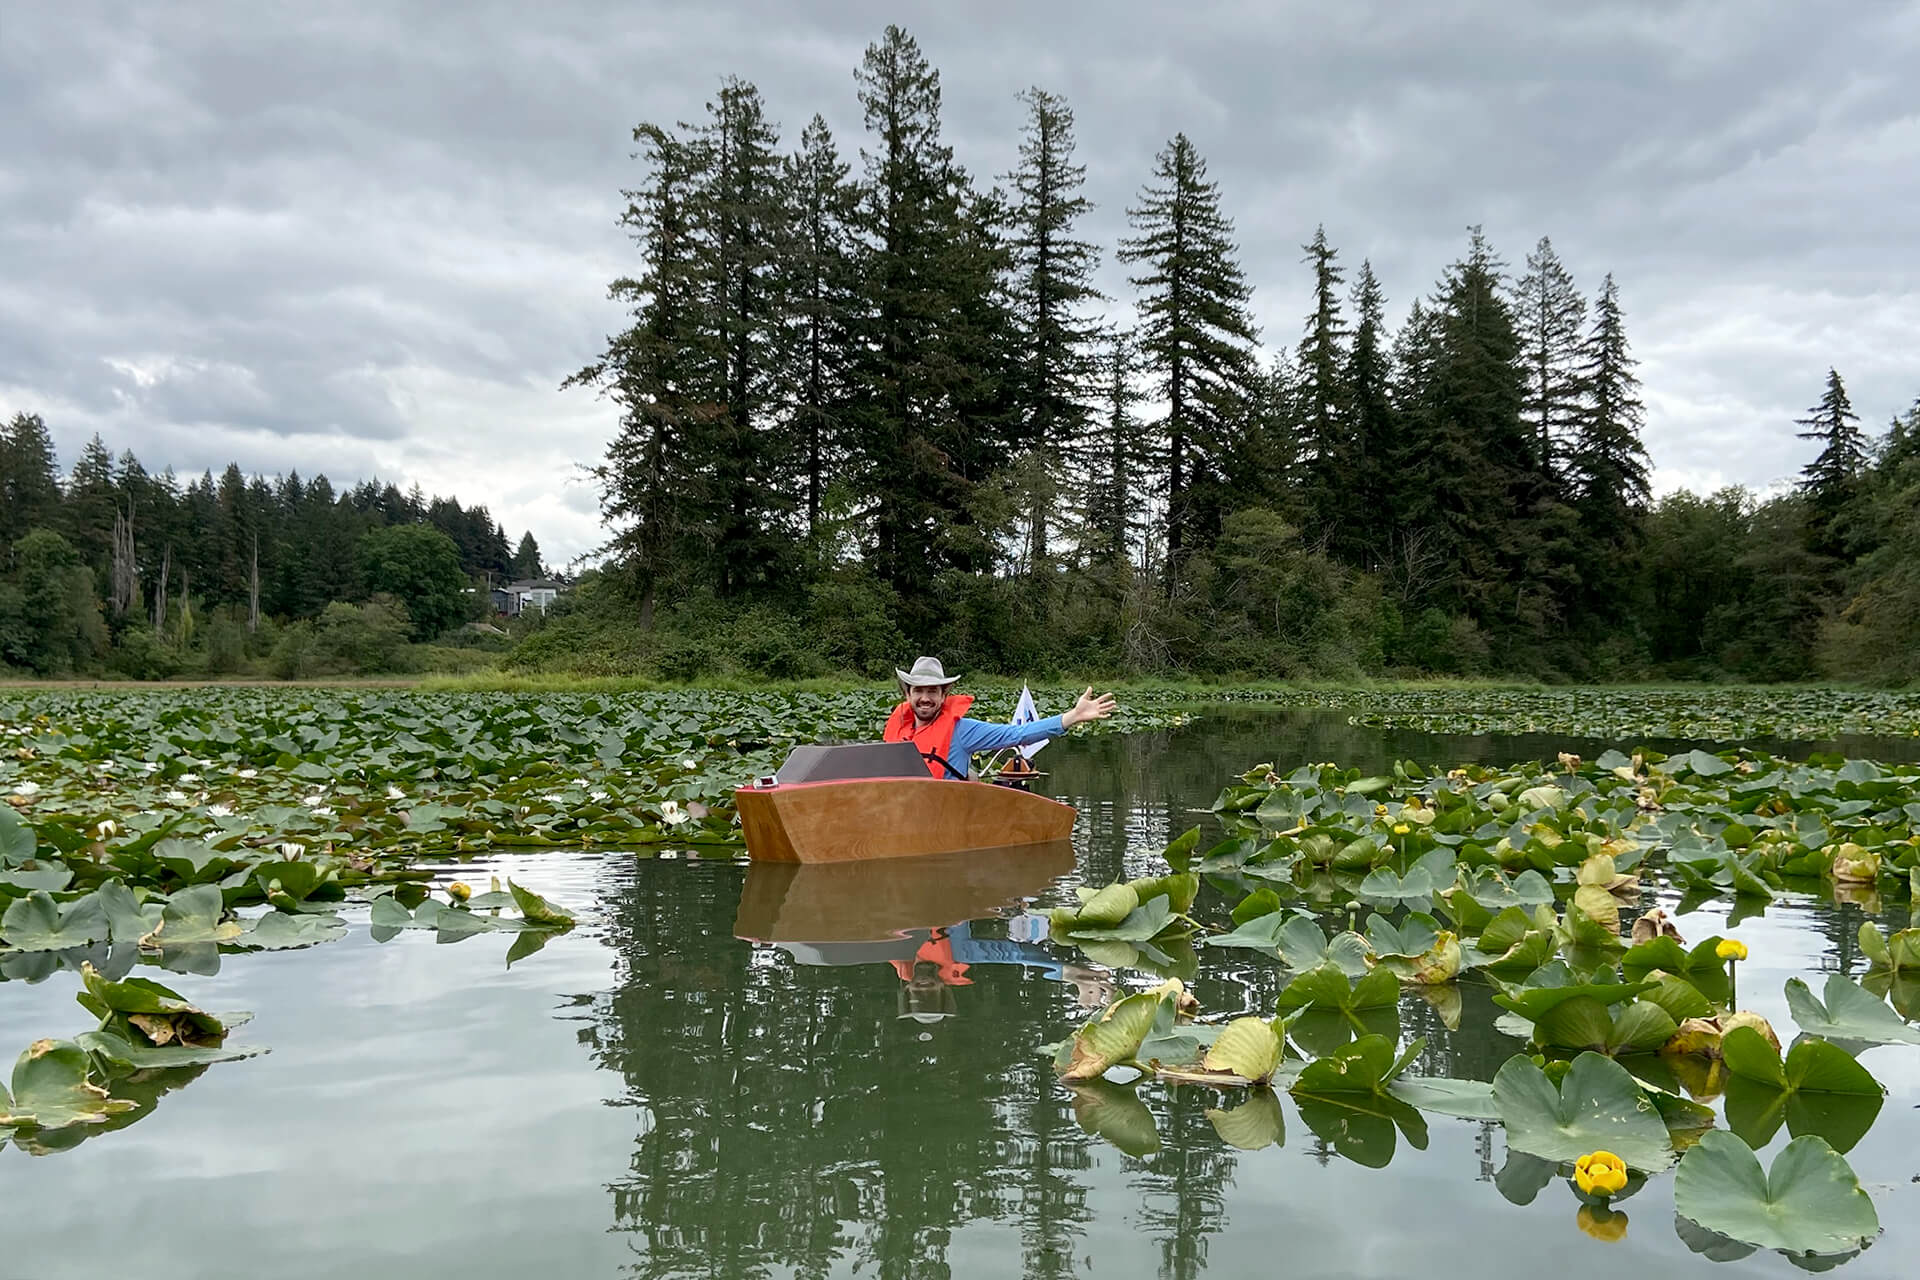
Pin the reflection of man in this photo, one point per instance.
(936, 722)
(942, 961)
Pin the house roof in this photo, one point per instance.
(535, 584)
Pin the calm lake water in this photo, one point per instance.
(735, 1071)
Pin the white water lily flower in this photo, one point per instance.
(596, 796)
(27, 789)
(151, 766)
(691, 764)
(579, 782)
(248, 773)
(554, 798)
(395, 793)
(315, 801)
(670, 812)
(188, 779)
(106, 827)
(292, 849)
(176, 797)
(219, 811)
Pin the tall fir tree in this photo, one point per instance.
(526, 559)
(928, 415)
(30, 495)
(1371, 436)
(817, 288)
(1196, 336)
(660, 372)
(90, 504)
(736, 217)
(1323, 400)
(1607, 469)
(1053, 286)
(1114, 461)
(1831, 479)
(1549, 313)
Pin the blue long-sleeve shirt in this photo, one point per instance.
(971, 737)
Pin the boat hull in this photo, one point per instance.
(849, 821)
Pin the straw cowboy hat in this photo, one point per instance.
(926, 671)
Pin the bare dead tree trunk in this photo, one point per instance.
(126, 574)
(160, 596)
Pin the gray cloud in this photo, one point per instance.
(373, 237)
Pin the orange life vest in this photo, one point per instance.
(904, 726)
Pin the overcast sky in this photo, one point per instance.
(371, 237)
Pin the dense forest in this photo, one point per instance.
(873, 405)
(116, 569)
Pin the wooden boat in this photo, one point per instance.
(880, 900)
(877, 800)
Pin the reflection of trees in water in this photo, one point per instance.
(1183, 1189)
(798, 1122)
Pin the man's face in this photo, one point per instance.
(925, 700)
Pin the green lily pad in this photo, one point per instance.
(1105, 909)
(1467, 1099)
(52, 879)
(1368, 1065)
(192, 916)
(535, 909)
(284, 931)
(38, 923)
(1597, 1107)
(1897, 954)
(1304, 946)
(17, 841)
(147, 1057)
(51, 1090)
(1810, 1203)
(1112, 1037)
(1848, 1013)
(1145, 921)
(1248, 1047)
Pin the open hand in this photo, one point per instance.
(1089, 708)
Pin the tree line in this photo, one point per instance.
(114, 566)
(876, 403)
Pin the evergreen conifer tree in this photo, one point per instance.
(1830, 480)
(660, 372)
(29, 479)
(526, 558)
(1053, 274)
(1195, 337)
(1549, 315)
(1323, 400)
(817, 289)
(1606, 474)
(1371, 435)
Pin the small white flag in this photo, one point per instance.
(1024, 713)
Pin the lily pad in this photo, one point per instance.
(1113, 1036)
(1467, 1099)
(284, 931)
(193, 916)
(1810, 1203)
(1847, 1014)
(51, 1090)
(1145, 921)
(1597, 1107)
(147, 1057)
(1248, 1047)
(38, 923)
(536, 910)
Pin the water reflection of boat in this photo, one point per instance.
(914, 914)
(876, 800)
(880, 901)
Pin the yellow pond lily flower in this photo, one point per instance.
(1600, 1173)
(1401, 828)
(1731, 949)
(459, 892)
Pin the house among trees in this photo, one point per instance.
(525, 593)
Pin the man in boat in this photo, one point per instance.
(935, 721)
